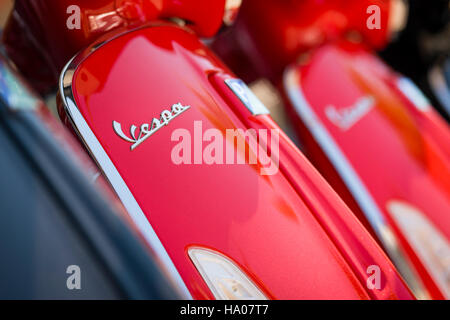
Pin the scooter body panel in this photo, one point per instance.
(386, 144)
(268, 225)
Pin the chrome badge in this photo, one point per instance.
(247, 97)
(147, 130)
(345, 118)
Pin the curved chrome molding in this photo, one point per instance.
(110, 171)
(353, 182)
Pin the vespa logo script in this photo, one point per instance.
(147, 130)
(345, 118)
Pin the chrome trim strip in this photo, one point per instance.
(352, 181)
(246, 96)
(110, 171)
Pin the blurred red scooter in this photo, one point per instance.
(154, 108)
(370, 131)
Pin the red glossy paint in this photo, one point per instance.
(71, 144)
(289, 232)
(272, 33)
(399, 151)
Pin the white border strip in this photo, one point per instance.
(333, 152)
(117, 182)
(352, 180)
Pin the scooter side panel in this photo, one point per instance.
(386, 143)
(257, 220)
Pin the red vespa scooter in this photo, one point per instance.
(222, 196)
(370, 131)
